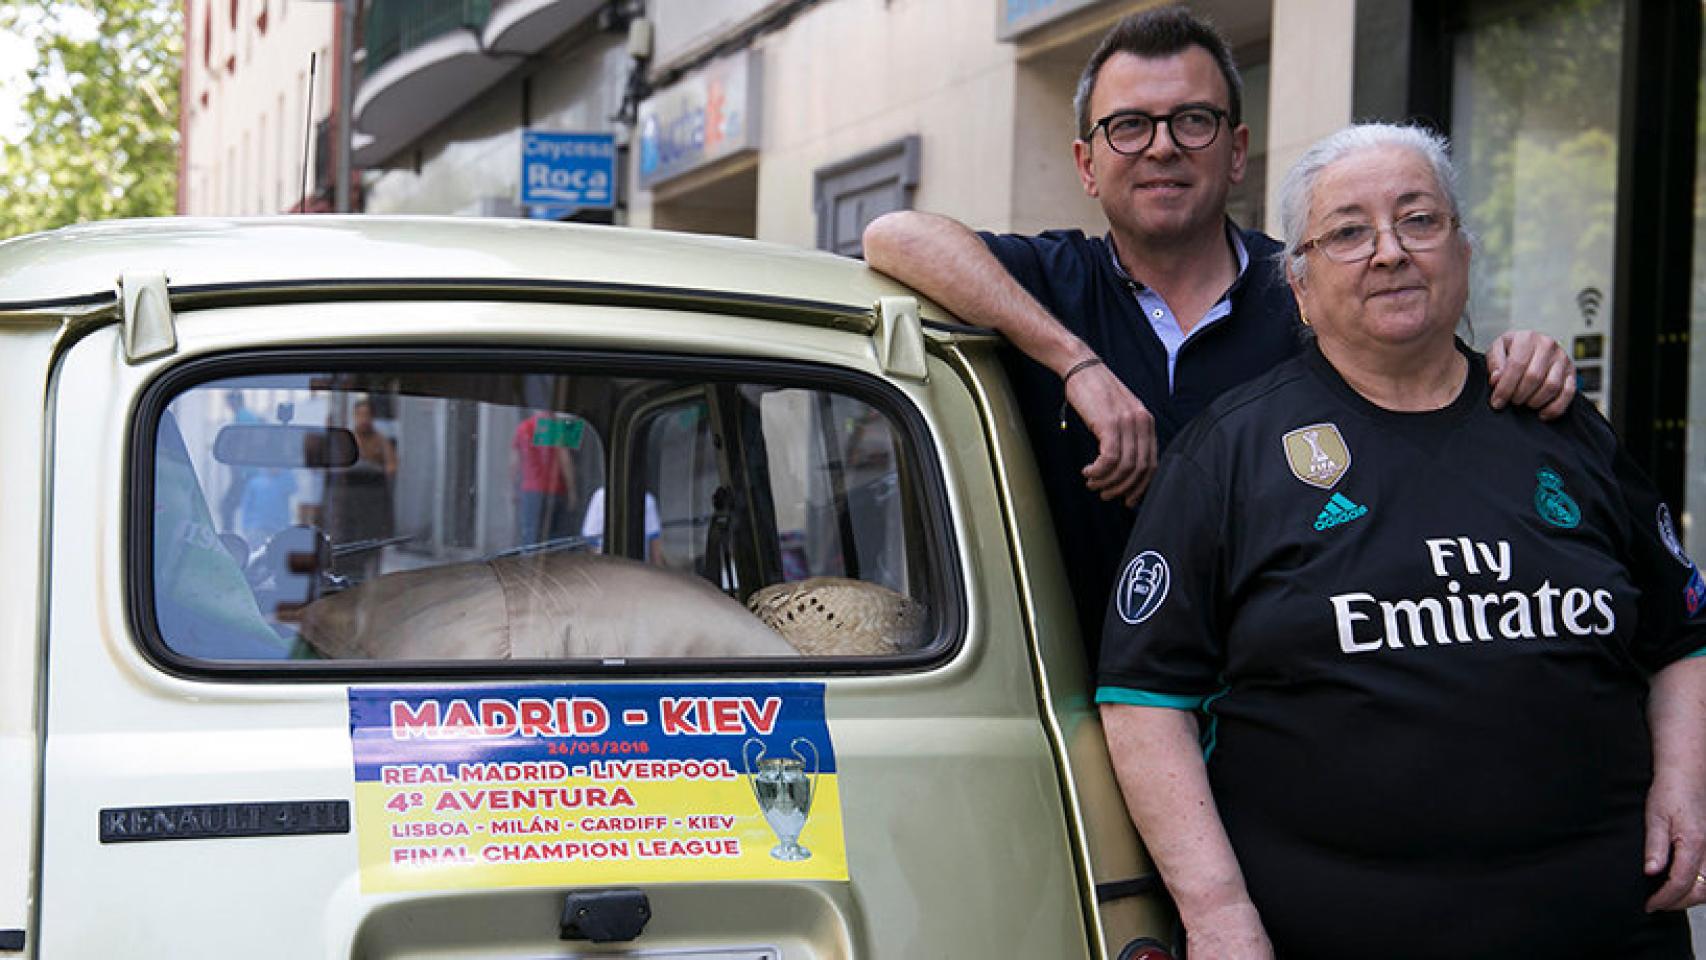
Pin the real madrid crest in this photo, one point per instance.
(1317, 454)
(1552, 503)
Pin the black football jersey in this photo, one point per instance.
(1420, 643)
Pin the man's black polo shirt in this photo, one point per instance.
(1073, 276)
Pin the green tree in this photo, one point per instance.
(102, 113)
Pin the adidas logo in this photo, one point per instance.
(1338, 510)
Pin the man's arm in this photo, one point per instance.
(1161, 773)
(1529, 369)
(1676, 801)
(944, 260)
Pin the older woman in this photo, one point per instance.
(1390, 673)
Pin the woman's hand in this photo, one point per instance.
(1676, 844)
(1161, 772)
(1233, 932)
(1676, 801)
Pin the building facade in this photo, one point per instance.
(1575, 124)
(258, 87)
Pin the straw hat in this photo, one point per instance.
(838, 617)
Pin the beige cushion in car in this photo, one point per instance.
(545, 606)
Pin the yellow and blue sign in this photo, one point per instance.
(545, 785)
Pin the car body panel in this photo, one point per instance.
(24, 364)
(83, 263)
(971, 786)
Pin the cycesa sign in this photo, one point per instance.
(568, 169)
(700, 120)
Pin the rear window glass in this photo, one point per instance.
(392, 515)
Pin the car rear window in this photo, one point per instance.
(600, 513)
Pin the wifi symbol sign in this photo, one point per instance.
(1589, 301)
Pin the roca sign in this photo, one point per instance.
(568, 169)
(702, 119)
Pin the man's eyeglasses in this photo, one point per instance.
(1352, 242)
(1132, 131)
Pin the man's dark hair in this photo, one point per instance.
(1159, 33)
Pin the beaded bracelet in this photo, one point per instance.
(1075, 368)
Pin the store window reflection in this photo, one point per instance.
(1534, 119)
(1694, 492)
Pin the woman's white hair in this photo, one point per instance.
(1297, 191)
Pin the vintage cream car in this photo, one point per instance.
(442, 588)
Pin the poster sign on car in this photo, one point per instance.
(462, 786)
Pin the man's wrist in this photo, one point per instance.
(1062, 355)
(1079, 367)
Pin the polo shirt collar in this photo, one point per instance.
(1234, 236)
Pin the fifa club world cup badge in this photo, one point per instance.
(1552, 503)
(1317, 454)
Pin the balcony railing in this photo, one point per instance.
(394, 27)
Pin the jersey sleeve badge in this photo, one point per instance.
(1672, 542)
(1142, 587)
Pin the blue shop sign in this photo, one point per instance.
(1018, 17)
(568, 169)
(709, 116)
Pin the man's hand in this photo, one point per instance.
(1530, 369)
(1676, 844)
(948, 263)
(1124, 431)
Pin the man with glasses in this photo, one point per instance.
(1136, 332)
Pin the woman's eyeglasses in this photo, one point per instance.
(1352, 242)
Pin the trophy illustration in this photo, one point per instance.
(1321, 464)
(784, 792)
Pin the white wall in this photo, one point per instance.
(254, 85)
(1311, 76)
(1045, 190)
(846, 76)
(851, 75)
(686, 28)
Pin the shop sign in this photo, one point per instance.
(568, 170)
(700, 120)
(1019, 17)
